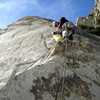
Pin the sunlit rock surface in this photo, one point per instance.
(34, 67)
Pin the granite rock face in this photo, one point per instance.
(91, 23)
(34, 67)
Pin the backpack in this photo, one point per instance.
(70, 25)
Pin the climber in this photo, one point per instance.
(67, 28)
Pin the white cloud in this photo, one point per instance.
(12, 10)
(13, 5)
(5, 5)
(2, 5)
(18, 6)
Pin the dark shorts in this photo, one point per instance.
(57, 33)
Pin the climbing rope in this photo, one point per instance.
(62, 77)
(64, 70)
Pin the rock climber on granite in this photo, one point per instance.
(65, 28)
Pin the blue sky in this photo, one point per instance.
(13, 10)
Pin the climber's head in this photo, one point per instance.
(62, 21)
